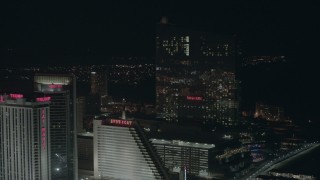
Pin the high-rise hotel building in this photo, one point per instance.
(195, 76)
(122, 151)
(62, 90)
(24, 138)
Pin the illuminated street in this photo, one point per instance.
(271, 164)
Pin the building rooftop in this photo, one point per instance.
(21, 100)
(183, 143)
(86, 134)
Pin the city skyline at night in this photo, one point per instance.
(157, 89)
(89, 33)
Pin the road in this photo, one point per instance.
(269, 165)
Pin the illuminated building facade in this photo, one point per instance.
(24, 138)
(62, 90)
(122, 151)
(257, 60)
(269, 112)
(179, 155)
(230, 161)
(195, 76)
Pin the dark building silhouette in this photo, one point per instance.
(99, 83)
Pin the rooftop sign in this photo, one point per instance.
(194, 98)
(16, 96)
(55, 86)
(1, 99)
(43, 99)
(120, 122)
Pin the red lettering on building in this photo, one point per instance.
(120, 122)
(43, 117)
(43, 99)
(43, 129)
(194, 98)
(55, 86)
(16, 96)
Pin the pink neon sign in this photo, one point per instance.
(43, 138)
(43, 99)
(120, 122)
(194, 98)
(1, 99)
(43, 130)
(16, 96)
(55, 86)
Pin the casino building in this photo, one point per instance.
(62, 90)
(122, 151)
(24, 138)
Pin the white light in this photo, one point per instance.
(58, 169)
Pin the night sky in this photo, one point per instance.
(83, 32)
(79, 30)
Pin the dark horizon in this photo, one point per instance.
(89, 32)
(41, 34)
